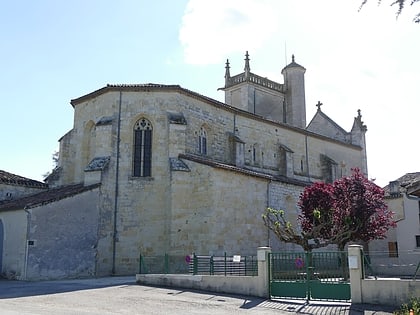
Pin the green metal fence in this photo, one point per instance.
(236, 265)
(311, 275)
(166, 264)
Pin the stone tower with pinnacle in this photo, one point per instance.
(272, 100)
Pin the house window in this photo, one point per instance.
(392, 249)
(417, 240)
(142, 162)
(202, 141)
(419, 211)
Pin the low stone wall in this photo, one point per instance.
(385, 291)
(389, 291)
(245, 285)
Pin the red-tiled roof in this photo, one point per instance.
(12, 179)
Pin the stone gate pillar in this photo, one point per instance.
(263, 272)
(356, 272)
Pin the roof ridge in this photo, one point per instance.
(10, 178)
(45, 197)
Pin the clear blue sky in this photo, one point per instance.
(54, 51)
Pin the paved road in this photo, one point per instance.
(121, 295)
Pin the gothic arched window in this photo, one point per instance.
(142, 162)
(202, 141)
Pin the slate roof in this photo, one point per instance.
(12, 179)
(45, 197)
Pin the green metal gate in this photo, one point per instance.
(309, 275)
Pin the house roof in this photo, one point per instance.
(16, 180)
(407, 182)
(413, 186)
(45, 197)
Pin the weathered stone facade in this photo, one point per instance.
(214, 166)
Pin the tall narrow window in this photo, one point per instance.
(142, 164)
(419, 211)
(202, 141)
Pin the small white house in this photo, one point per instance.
(399, 253)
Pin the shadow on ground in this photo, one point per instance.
(15, 289)
(326, 308)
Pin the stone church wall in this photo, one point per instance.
(207, 210)
(216, 211)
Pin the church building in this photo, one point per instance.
(152, 169)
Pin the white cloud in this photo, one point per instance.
(365, 60)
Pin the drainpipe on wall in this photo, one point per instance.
(28, 229)
(117, 166)
(306, 157)
(268, 205)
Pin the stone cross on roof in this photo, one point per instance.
(319, 104)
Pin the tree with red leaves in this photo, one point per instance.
(349, 210)
(360, 211)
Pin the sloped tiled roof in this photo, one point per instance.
(404, 181)
(244, 171)
(45, 197)
(12, 179)
(150, 87)
(412, 183)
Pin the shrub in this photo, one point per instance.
(412, 306)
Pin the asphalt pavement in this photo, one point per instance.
(121, 295)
